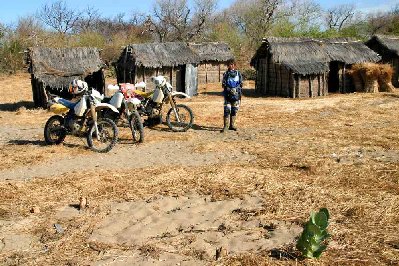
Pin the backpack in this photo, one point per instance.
(233, 79)
(233, 82)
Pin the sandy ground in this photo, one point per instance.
(202, 197)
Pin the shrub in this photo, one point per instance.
(248, 74)
(310, 243)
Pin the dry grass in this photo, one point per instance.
(371, 77)
(339, 152)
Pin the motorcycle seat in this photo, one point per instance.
(143, 94)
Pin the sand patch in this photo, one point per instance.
(194, 226)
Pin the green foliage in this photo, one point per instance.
(283, 28)
(225, 32)
(248, 74)
(11, 53)
(90, 39)
(310, 243)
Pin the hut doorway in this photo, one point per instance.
(180, 79)
(333, 77)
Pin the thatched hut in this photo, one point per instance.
(343, 53)
(303, 67)
(388, 48)
(52, 69)
(214, 59)
(174, 60)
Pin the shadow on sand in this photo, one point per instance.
(250, 93)
(12, 107)
(41, 143)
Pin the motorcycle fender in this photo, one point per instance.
(180, 94)
(101, 106)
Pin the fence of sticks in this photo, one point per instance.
(370, 77)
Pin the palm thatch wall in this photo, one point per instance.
(214, 58)
(140, 62)
(52, 69)
(388, 48)
(183, 64)
(303, 67)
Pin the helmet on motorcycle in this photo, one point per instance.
(159, 81)
(78, 86)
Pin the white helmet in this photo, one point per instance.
(78, 86)
(159, 81)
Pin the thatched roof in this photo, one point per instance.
(311, 56)
(390, 43)
(212, 51)
(154, 55)
(56, 67)
(349, 51)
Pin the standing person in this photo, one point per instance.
(232, 90)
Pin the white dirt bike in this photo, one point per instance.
(80, 118)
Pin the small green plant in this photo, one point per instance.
(310, 243)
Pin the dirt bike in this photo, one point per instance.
(179, 118)
(80, 118)
(122, 98)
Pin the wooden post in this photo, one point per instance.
(206, 73)
(171, 75)
(275, 82)
(219, 73)
(291, 82)
(297, 86)
(319, 85)
(281, 79)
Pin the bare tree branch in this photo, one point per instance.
(59, 16)
(176, 20)
(337, 17)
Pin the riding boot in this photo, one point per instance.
(225, 124)
(233, 123)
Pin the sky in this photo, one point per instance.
(11, 10)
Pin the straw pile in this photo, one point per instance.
(370, 77)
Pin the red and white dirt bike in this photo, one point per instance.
(178, 118)
(123, 99)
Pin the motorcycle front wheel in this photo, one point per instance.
(54, 130)
(107, 135)
(181, 120)
(136, 126)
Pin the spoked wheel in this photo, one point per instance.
(107, 136)
(54, 130)
(136, 126)
(181, 120)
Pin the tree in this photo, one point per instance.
(2, 30)
(30, 31)
(176, 20)
(305, 15)
(90, 17)
(339, 16)
(59, 16)
(254, 17)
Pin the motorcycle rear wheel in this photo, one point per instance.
(54, 130)
(108, 133)
(136, 126)
(186, 118)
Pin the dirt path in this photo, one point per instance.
(124, 155)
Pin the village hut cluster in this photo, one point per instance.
(286, 67)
